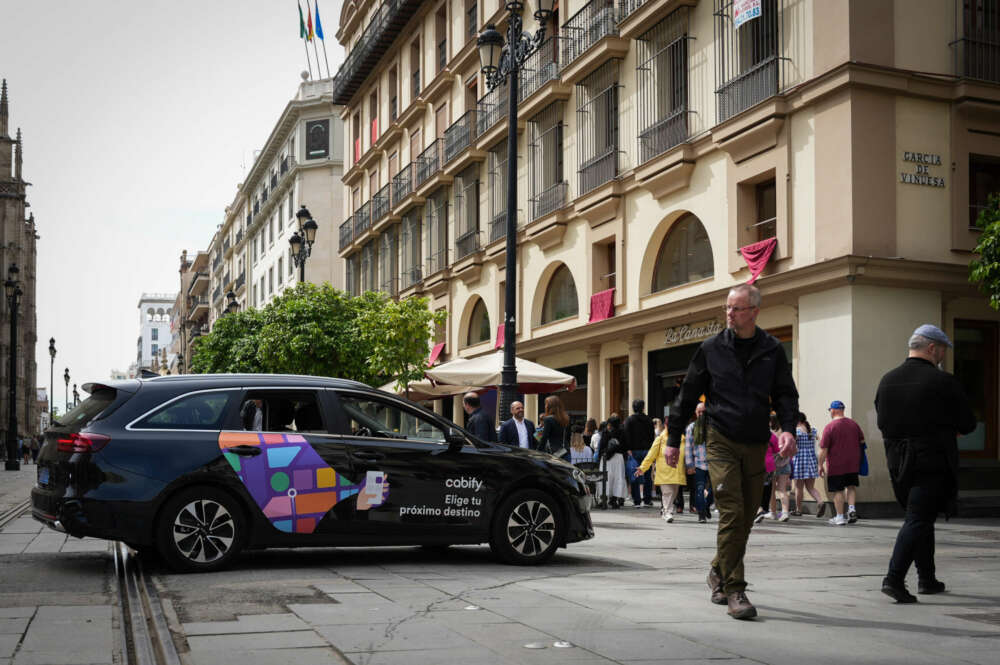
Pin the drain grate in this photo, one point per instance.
(987, 617)
(985, 535)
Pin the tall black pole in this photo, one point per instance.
(508, 374)
(12, 463)
(302, 262)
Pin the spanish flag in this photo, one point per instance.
(310, 19)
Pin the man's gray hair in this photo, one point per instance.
(752, 292)
(918, 342)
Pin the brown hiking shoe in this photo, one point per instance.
(715, 584)
(740, 606)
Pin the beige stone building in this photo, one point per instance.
(655, 140)
(18, 247)
(300, 164)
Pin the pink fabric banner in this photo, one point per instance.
(500, 337)
(602, 305)
(435, 354)
(757, 255)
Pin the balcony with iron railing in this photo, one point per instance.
(393, 108)
(491, 109)
(598, 170)
(498, 227)
(466, 244)
(415, 85)
(460, 135)
(663, 135)
(347, 233)
(362, 219)
(627, 7)
(380, 204)
(409, 275)
(540, 67)
(389, 286)
(977, 53)
(384, 27)
(217, 294)
(437, 261)
(595, 21)
(240, 281)
(402, 184)
(197, 306)
(442, 54)
(227, 279)
(549, 200)
(428, 162)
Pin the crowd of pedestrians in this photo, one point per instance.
(736, 438)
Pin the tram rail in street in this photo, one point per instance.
(147, 639)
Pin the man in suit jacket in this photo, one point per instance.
(478, 422)
(518, 431)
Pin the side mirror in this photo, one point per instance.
(455, 441)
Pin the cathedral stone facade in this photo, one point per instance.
(17, 247)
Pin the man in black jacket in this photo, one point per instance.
(639, 435)
(518, 431)
(921, 410)
(743, 373)
(478, 422)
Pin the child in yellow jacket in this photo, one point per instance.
(669, 479)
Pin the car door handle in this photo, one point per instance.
(369, 456)
(245, 451)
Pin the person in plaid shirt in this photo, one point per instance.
(696, 462)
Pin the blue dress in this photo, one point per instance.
(805, 463)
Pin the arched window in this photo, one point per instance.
(479, 324)
(560, 298)
(685, 255)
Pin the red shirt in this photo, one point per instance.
(842, 439)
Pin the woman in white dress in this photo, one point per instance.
(612, 453)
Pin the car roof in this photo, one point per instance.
(261, 380)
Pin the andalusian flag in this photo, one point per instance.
(319, 26)
(302, 25)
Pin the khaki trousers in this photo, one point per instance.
(737, 473)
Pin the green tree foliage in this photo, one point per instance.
(321, 331)
(985, 270)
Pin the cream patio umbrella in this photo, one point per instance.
(485, 371)
(425, 389)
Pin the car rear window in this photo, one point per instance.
(88, 410)
(196, 411)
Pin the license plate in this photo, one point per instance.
(43, 476)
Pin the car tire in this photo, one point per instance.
(527, 528)
(200, 530)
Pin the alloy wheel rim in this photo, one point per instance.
(204, 531)
(531, 528)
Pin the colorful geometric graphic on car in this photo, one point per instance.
(289, 481)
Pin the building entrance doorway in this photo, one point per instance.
(619, 388)
(976, 358)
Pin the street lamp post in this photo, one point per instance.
(12, 287)
(502, 62)
(66, 378)
(76, 397)
(302, 240)
(52, 383)
(232, 306)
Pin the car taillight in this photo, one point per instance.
(82, 443)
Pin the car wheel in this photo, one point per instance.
(527, 528)
(200, 530)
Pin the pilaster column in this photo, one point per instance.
(595, 385)
(635, 390)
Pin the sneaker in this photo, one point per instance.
(740, 606)
(783, 518)
(930, 586)
(770, 516)
(714, 580)
(837, 520)
(668, 518)
(852, 516)
(693, 510)
(701, 519)
(897, 592)
(821, 511)
(759, 518)
(796, 513)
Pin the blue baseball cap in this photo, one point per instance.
(934, 334)
(837, 404)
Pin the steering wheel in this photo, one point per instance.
(363, 431)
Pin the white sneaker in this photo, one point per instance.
(668, 518)
(837, 521)
(784, 517)
(770, 516)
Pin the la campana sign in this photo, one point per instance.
(922, 162)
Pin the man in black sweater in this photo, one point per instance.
(476, 421)
(743, 373)
(921, 411)
(639, 435)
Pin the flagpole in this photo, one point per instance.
(304, 36)
(326, 59)
(308, 62)
(313, 40)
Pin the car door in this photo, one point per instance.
(292, 467)
(413, 488)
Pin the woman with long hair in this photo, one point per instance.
(806, 466)
(578, 450)
(612, 452)
(588, 432)
(554, 436)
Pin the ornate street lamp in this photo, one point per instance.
(302, 240)
(502, 63)
(76, 397)
(232, 307)
(12, 288)
(66, 378)
(52, 383)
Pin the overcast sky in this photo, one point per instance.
(139, 120)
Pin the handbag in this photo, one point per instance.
(631, 466)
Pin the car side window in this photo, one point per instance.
(375, 418)
(197, 411)
(281, 411)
